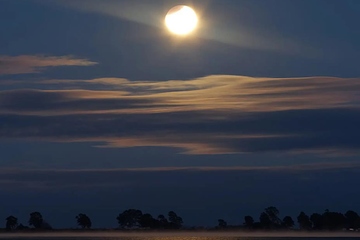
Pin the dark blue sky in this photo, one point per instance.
(102, 109)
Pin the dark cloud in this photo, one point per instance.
(302, 130)
(127, 177)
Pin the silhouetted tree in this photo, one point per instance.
(222, 223)
(273, 214)
(11, 223)
(36, 220)
(129, 218)
(317, 221)
(265, 220)
(333, 220)
(163, 222)
(147, 221)
(288, 222)
(352, 220)
(83, 220)
(248, 222)
(269, 218)
(174, 220)
(304, 221)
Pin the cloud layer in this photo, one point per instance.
(35, 64)
(209, 115)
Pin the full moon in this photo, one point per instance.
(181, 20)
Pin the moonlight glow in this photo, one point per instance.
(181, 20)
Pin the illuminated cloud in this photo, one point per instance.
(229, 95)
(209, 115)
(35, 64)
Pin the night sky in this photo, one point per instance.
(102, 109)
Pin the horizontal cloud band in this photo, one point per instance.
(47, 178)
(210, 115)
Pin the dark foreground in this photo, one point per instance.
(201, 235)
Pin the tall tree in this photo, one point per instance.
(269, 218)
(304, 221)
(273, 214)
(129, 218)
(174, 220)
(248, 222)
(11, 223)
(36, 220)
(222, 223)
(288, 222)
(83, 220)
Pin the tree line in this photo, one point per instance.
(269, 219)
(328, 221)
(129, 219)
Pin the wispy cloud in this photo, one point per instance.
(224, 93)
(35, 64)
(209, 115)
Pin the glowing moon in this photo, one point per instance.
(181, 20)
